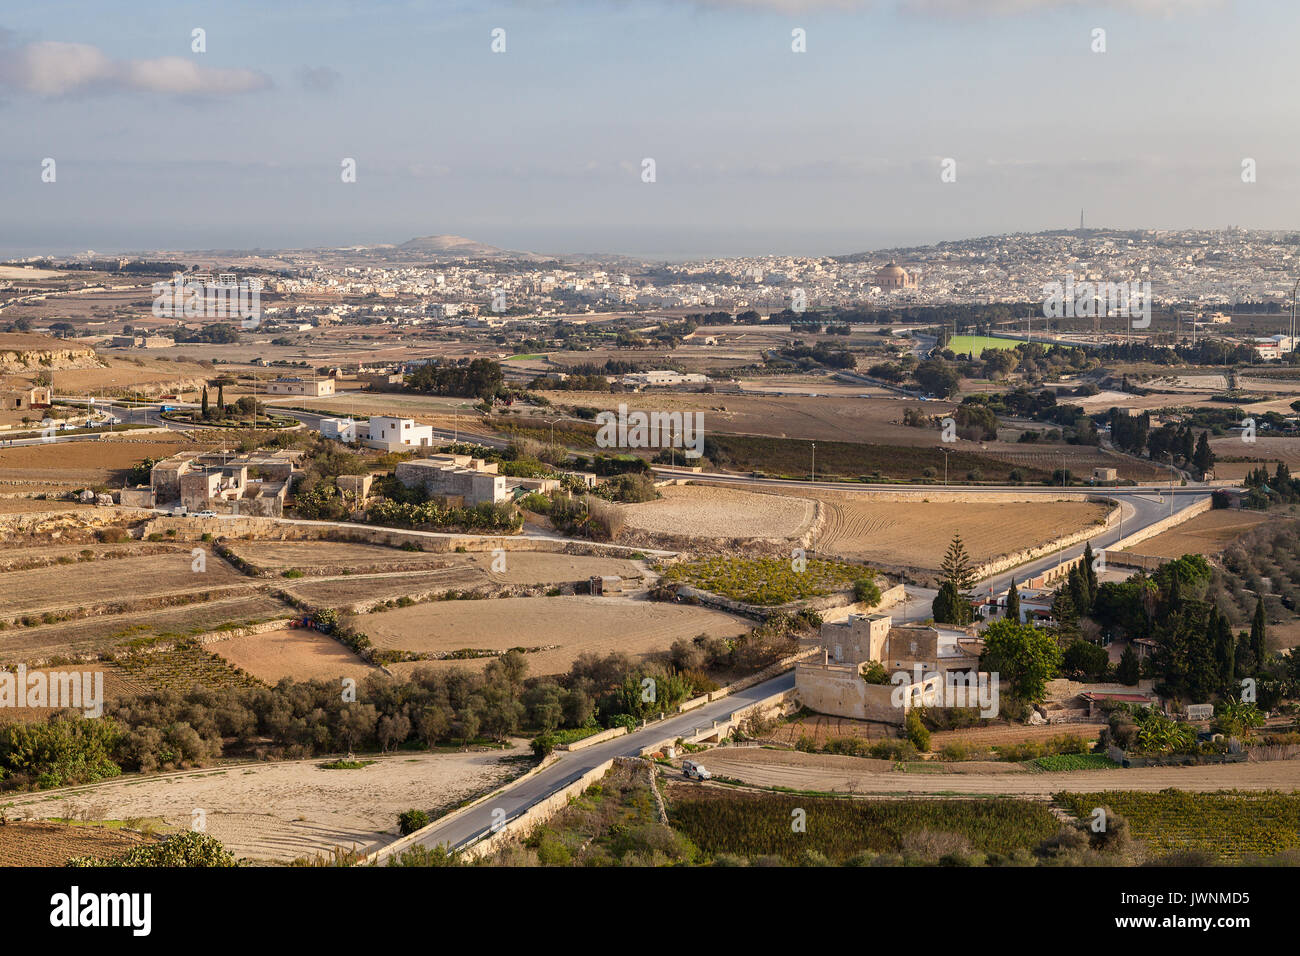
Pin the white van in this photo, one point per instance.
(695, 771)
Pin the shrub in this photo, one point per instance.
(915, 730)
(408, 821)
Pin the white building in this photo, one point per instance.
(396, 434)
(340, 429)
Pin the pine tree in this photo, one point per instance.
(956, 565)
(1013, 603)
(1258, 642)
(1128, 671)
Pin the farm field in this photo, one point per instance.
(712, 512)
(348, 591)
(838, 774)
(297, 653)
(280, 811)
(81, 463)
(105, 633)
(19, 506)
(1079, 460)
(38, 843)
(822, 728)
(1264, 452)
(1231, 826)
(1206, 534)
(116, 685)
(722, 821)
(836, 417)
(567, 626)
(916, 534)
(70, 587)
(310, 554)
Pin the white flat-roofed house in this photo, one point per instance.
(395, 434)
(340, 429)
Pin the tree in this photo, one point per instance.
(949, 606)
(203, 404)
(1203, 458)
(1086, 660)
(1023, 656)
(1065, 615)
(956, 566)
(916, 731)
(1258, 640)
(1128, 670)
(1013, 603)
(221, 400)
(1090, 573)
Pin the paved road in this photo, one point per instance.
(515, 799)
(1139, 507)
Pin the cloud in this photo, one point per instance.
(52, 68)
(319, 79)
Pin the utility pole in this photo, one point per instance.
(814, 462)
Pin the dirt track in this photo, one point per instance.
(801, 771)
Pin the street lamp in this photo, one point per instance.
(945, 466)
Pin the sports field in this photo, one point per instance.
(976, 344)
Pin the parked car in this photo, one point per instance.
(205, 514)
(695, 771)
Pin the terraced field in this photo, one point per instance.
(916, 534)
(712, 512)
(296, 653)
(564, 626)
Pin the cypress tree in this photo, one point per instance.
(1013, 602)
(1258, 643)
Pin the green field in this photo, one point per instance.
(976, 344)
(1231, 825)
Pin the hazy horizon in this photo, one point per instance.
(758, 150)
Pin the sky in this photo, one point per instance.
(757, 149)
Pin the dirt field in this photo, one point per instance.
(108, 632)
(51, 844)
(306, 554)
(83, 463)
(18, 506)
(916, 534)
(801, 771)
(297, 653)
(828, 417)
(1207, 534)
(1079, 460)
(280, 811)
(711, 512)
(72, 586)
(822, 728)
(567, 626)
